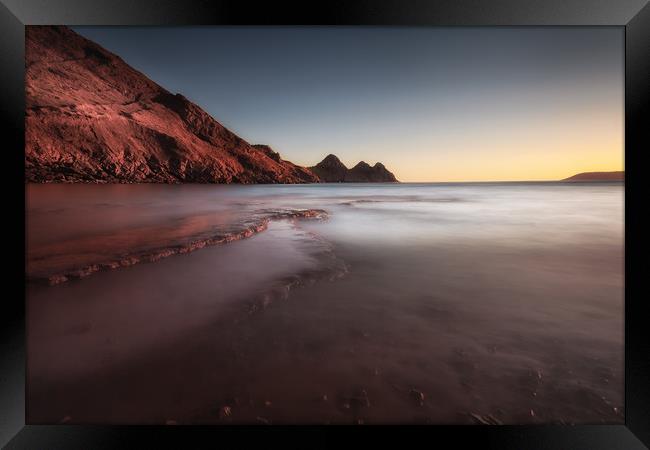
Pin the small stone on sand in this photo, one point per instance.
(224, 412)
(417, 396)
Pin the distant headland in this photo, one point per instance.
(597, 176)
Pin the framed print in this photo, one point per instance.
(401, 221)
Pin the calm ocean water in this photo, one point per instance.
(427, 303)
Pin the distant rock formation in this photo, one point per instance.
(597, 176)
(90, 117)
(332, 170)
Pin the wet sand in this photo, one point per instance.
(420, 304)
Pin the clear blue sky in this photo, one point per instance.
(433, 104)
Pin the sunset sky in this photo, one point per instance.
(432, 104)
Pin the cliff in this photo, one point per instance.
(90, 117)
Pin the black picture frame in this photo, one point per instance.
(633, 15)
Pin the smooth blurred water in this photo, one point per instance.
(500, 299)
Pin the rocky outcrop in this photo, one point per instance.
(364, 173)
(90, 117)
(597, 176)
(332, 170)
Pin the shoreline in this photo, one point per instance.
(149, 256)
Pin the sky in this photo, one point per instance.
(431, 104)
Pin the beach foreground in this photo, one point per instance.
(378, 303)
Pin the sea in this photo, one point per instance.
(433, 303)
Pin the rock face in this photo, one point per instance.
(597, 176)
(90, 117)
(332, 170)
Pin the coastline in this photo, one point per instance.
(243, 231)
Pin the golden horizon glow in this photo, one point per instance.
(532, 147)
(489, 164)
(527, 167)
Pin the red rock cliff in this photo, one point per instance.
(90, 117)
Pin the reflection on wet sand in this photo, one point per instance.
(58, 262)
